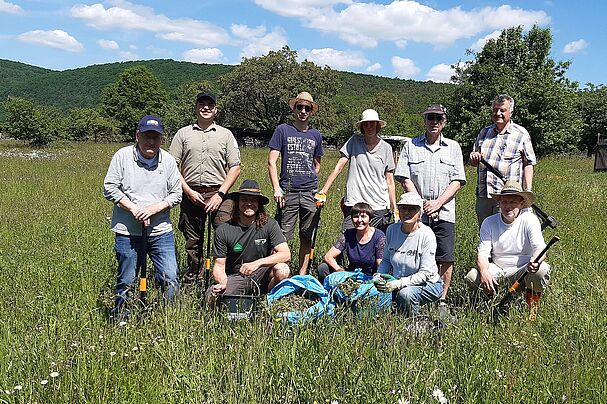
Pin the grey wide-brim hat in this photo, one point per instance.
(249, 187)
(512, 187)
(411, 199)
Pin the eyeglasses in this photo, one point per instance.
(302, 107)
(434, 117)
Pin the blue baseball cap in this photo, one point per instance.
(151, 123)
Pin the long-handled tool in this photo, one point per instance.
(501, 307)
(547, 220)
(319, 205)
(207, 259)
(143, 265)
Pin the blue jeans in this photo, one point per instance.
(160, 249)
(410, 298)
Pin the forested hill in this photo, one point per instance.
(82, 87)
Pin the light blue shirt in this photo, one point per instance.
(432, 168)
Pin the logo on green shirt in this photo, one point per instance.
(237, 248)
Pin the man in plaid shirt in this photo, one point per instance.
(507, 147)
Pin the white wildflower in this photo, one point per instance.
(43, 382)
(54, 374)
(18, 387)
(439, 395)
(112, 353)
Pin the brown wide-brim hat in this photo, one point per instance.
(304, 96)
(512, 187)
(249, 187)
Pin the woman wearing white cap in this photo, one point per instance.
(409, 257)
(370, 173)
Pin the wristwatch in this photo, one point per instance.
(221, 194)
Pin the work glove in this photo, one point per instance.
(381, 280)
(389, 286)
(320, 198)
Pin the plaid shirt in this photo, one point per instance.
(432, 169)
(508, 152)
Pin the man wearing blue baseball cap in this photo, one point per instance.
(143, 183)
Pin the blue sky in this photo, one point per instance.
(408, 39)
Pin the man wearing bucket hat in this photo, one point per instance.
(250, 247)
(300, 148)
(143, 183)
(409, 257)
(210, 164)
(507, 147)
(512, 239)
(433, 166)
(370, 172)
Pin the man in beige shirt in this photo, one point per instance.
(209, 161)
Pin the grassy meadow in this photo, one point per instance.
(58, 267)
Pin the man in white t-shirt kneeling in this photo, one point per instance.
(512, 239)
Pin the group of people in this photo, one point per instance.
(412, 238)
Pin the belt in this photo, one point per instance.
(213, 188)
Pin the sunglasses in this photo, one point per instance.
(302, 107)
(434, 117)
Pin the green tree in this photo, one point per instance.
(592, 106)
(39, 125)
(136, 92)
(256, 92)
(87, 124)
(518, 64)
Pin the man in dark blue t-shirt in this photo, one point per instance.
(300, 149)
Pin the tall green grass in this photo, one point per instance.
(58, 272)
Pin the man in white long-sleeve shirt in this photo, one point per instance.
(143, 183)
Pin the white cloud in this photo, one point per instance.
(257, 41)
(366, 24)
(128, 55)
(10, 8)
(208, 55)
(440, 73)
(373, 68)
(336, 59)
(575, 46)
(478, 45)
(297, 8)
(54, 39)
(127, 16)
(107, 44)
(404, 68)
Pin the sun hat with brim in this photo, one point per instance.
(304, 96)
(151, 123)
(249, 187)
(411, 199)
(370, 115)
(512, 187)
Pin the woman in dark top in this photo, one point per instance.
(363, 245)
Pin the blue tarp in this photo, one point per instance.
(302, 282)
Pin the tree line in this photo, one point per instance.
(560, 117)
